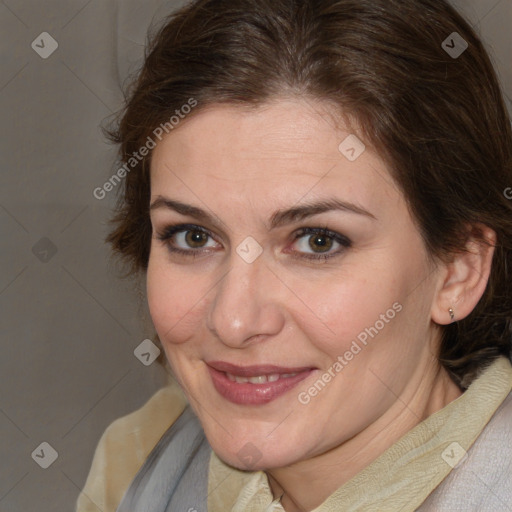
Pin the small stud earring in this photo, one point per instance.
(452, 314)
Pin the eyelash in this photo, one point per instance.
(166, 235)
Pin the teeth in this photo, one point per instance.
(259, 379)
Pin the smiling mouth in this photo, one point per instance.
(254, 385)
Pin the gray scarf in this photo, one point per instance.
(174, 477)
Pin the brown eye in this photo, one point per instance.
(195, 238)
(187, 239)
(320, 243)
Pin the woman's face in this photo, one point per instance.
(287, 282)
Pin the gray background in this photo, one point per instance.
(69, 325)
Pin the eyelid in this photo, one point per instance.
(171, 230)
(342, 239)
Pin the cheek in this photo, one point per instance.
(175, 301)
(340, 308)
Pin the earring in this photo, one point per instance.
(452, 314)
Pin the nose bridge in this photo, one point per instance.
(245, 304)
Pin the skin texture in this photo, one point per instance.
(284, 309)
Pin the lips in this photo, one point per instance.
(257, 384)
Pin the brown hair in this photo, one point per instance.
(439, 121)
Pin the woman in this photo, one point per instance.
(315, 194)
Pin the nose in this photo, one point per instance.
(246, 304)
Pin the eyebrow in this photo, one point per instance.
(278, 218)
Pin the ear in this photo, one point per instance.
(464, 278)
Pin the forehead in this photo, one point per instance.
(285, 148)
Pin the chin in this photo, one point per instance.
(256, 455)
(256, 462)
